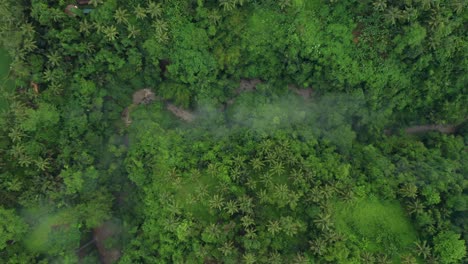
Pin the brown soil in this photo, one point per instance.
(181, 113)
(304, 93)
(247, 85)
(143, 96)
(126, 116)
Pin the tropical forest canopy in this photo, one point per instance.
(233, 131)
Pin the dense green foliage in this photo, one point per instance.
(262, 174)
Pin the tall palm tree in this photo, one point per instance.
(383, 259)
(160, 26)
(246, 221)
(28, 29)
(275, 258)
(214, 17)
(216, 202)
(422, 249)
(281, 193)
(121, 16)
(409, 190)
(367, 257)
(16, 134)
(227, 248)
(17, 151)
(54, 58)
(250, 233)
(249, 258)
(110, 32)
(380, 5)
(273, 227)
(318, 246)
(42, 164)
(257, 164)
(277, 168)
(140, 12)
(323, 221)
(29, 45)
(227, 5)
(154, 9)
(231, 207)
(408, 259)
(415, 207)
(95, 3)
(283, 4)
(392, 15)
(133, 31)
(246, 204)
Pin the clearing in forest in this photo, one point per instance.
(376, 226)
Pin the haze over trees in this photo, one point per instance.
(233, 131)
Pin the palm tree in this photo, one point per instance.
(160, 26)
(213, 231)
(408, 259)
(380, 5)
(277, 168)
(133, 32)
(458, 6)
(110, 32)
(48, 75)
(249, 258)
(162, 37)
(217, 202)
(227, 5)
(246, 204)
(95, 3)
(275, 258)
(227, 248)
(16, 134)
(415, 207)
(54, 58)
(300, 258)
(392, 15)
(281, 193)
(231, 207)
(140, 12)
(409, 190)
(121, 16)
(383, 259)
(29, 45)
(55, 88)
(323, 221)
(422, 249)
(257, 164)
(214, 17)
(284, 4)
(263, 196)
(17, 151)
(266, 179)
(273, 227)
(42, 164)
(289, 227)
(318, 246)
(24, 160)
(28, 29)
(154, 10)
(367, 257)
(250, 233)
(246, 221)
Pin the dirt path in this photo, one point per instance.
(102, 236)
(146, 96)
